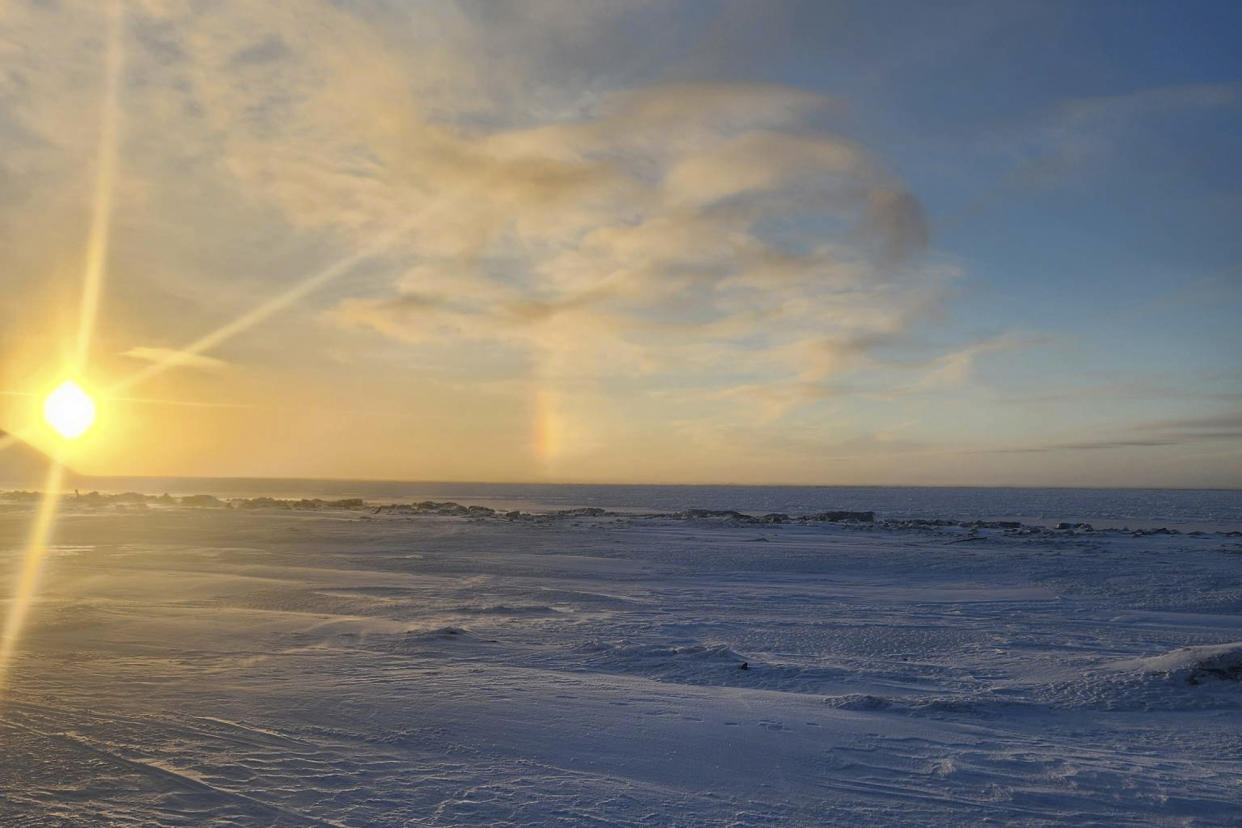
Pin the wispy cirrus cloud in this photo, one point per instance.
(1048, 148)
(1225, 427)
(603, 245)
(742, 242)
(620, 208)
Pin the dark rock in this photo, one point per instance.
(259, 503)
(204, 501)
(129, 497)
(438, 508)
(716, 514)
(838, 517)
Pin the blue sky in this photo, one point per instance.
(803, 242)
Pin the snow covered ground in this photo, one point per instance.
(338, 667)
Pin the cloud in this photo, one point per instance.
(1229, 422)
(1081, 130)
(956, 368)
(1086, 445)
(674, 226)
(1160, 100)
(566, 213)
(896, 218)
(1079, 133)
(171, 355)
(1213, 428)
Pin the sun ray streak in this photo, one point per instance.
(105, 185)
(93, 274)
(279, 302)
(263, 311)
(183, 403)
(31, 567)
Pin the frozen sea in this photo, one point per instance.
(355, 667)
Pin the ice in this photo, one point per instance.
(1195, 665)
(337, 666)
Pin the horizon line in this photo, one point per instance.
(378, 480)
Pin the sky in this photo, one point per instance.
(711, 241)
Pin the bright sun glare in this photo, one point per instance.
(69, 410)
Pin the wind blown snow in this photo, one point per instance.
(345, 666)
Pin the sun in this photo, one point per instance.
(69, 410)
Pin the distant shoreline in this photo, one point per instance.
(128, 500)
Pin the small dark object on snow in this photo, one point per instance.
(745, 665)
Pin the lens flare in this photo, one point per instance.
(69, 410)
(32, 566)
